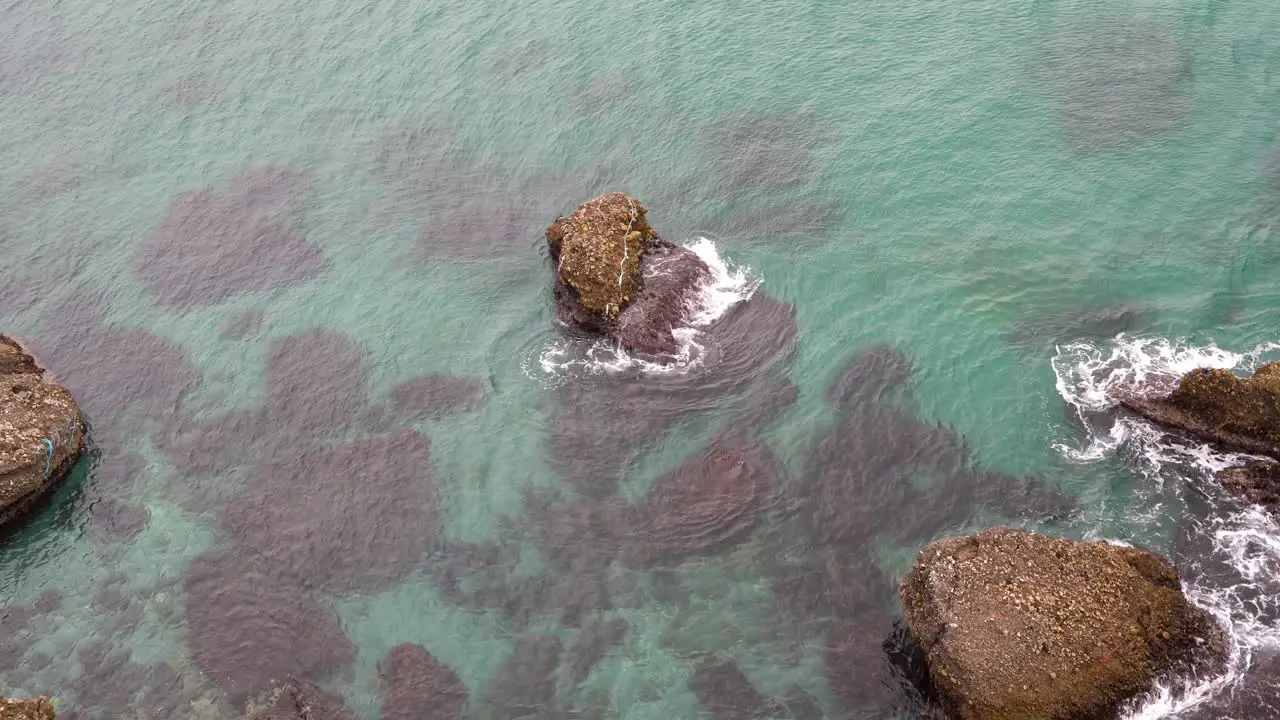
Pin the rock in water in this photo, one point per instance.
(672, 279)
(615, 277)
(41, 431)
(1216, 406)
(36, 709)
(1017, 625)
(597, 251)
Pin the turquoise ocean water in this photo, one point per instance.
(186, 186)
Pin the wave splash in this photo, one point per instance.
(1236, 550)
(730, 285)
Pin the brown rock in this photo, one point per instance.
(672, 278)
(41, 431)
(1258, 483)
(1026, 626)
(1217, 406)
(35, 709)
(597, 251)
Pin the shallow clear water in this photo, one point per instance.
(234, 230)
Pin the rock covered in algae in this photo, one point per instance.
(1015, 624)
(597, 251)
(1217, 406)
(34, 709)
(41, 431)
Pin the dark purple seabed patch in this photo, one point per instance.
(754, 151)
(1118, 82)
(115, 687)
(247, 628)
(125, 378)
(524, 685)
(417, 686)
(242, 237)
(354, 518)
(601, 422)
(705, 504)
(317, 389)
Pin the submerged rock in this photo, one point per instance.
(1216, 406)
(709, 501)
(246, 627)
(672, 277)
(298, 700)
(615, 277)
(420, 687)
(1020, 625)
(1241, 414)
(34, 709)
(41, 431)
(1259, 483)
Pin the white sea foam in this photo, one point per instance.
(730, 284)
(1093, 378)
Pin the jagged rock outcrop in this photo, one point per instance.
(34, 709)
(1217, 406)
(1235, 413)
(1017, 625)
(41, 431)
(616, 277)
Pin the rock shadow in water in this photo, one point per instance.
(240, 238)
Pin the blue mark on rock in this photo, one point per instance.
(48, 459)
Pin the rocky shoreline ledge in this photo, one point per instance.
(41, 431)
(1237, 414)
